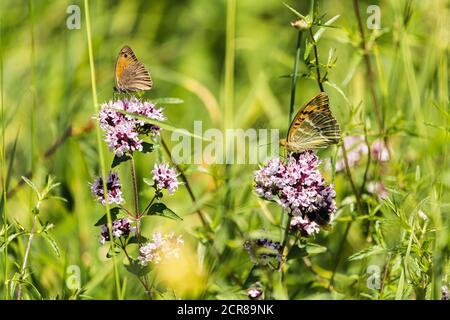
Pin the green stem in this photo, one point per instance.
(148, 206)
(371, 76)
(291, 116)
(316, 57)
(3, 158)
(27, 253)
(135, 191)
(99, 142)
(294, 78)
(33, 89)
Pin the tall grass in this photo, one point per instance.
(3, 161)
(99, 143)
(232, 63)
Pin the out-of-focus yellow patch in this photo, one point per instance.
(183, 276)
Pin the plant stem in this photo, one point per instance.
(4, 172)
(291, 116)
(369, 159)
(135, 191)
(316, 57)
(229, 64)
(339, 253)
(33, 88)
(294, 78)
(186, 183)
(99, 143)
(148, 206)
(27, 252)
(370, 75)
(350, 178)
(142, 280)
(349, 224)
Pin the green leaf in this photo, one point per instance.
(149, 182)
(168, 100)
(296, 253)
(147, 147)
(308, 48)
(367, 252)
(294, 11)
(135, 239)
(32, 185)
(163, 125)
(118, 160)
(321, 30)
(160, 209)
(113, 252)
(401, 285)
(313, 249)
(114, 212)
(11, 237)
(137, 269)
(52, 243)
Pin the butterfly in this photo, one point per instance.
(313, 127)
(131, 74)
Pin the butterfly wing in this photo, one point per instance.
(313, 126)
(131, 74)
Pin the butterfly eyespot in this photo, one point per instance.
(125, 55)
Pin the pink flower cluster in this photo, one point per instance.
(298, 186)
(113, 187)
(356, 147)
(120, 227)
(165, 178)
(122, 131)
(161, 247)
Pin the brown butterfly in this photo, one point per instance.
(313, 127)
(131, 74)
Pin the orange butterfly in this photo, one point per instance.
(313, 127)
(131, 74)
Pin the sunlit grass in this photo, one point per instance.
(231, 63)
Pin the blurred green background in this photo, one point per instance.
(46, 88)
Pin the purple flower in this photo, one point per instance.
(120, 228)
(165, 178)
(445, 294)
(161, 247)
(379, 151)
(122, 131)
(261, 249)
(298, 186)
(304, 226)
(378, 188)
(355, 147)
(113, 187)
(255, 292)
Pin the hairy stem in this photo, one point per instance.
(27, 252)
